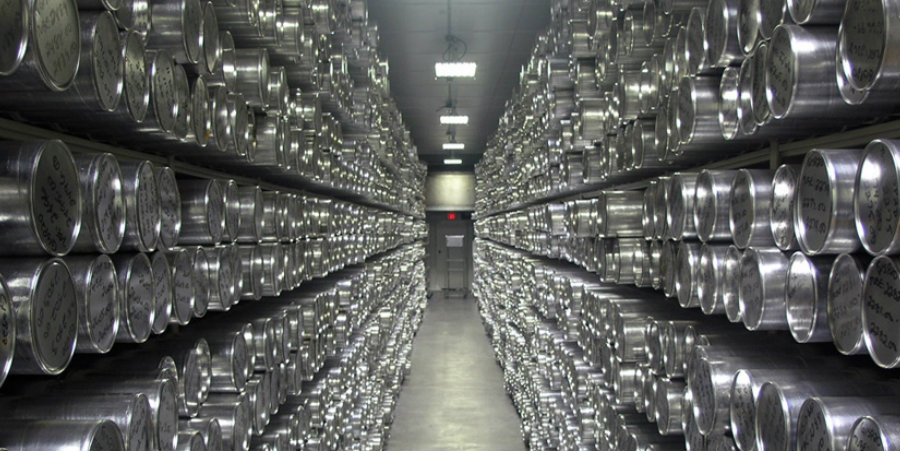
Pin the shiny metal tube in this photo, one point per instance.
(729, 103)
(273, 214)
(193, 363)
(230, 361)
(778, 407)
(252, 217)
(751, 194)
(209, 428)
(763, 289)
(103, 218)
(169, 207)
(794, 89)
(46, 314)
(759, 104)
(880, 313)
(135, 84)
(844, 303)
(746, 122)
(825, 195)
(233, 414)
(732, 283)
(667, 265)
(647, 214)
(45, 217)
(679, 213)
(96, 289)
(162, 113)
(163, 293)
(199, 131)
(668, 412)
(130, 412)
(877, 197)
(875, 433)
(51, 60)
(619, 214)
(698, 116)
(16, 23)
(137, 306)
(660, 208)
(806, 297)
(41, 434)
(201, 283)
(721, 33)
(134, 15)
(687, 281)
(202, 210)
(253, 273)
(273, 259)
(782, 207)
(696, 50)
(182, 88)
(223, 290)
(829, 420)
(252, 74)
(142, 219)
(190, 440)
(712, 198)
(651, 81)
(711, 279)
(232, 213)
(772, 14)
(866, 48)
(183, 290)
(176, 26)
(816, 12)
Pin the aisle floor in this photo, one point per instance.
(454, 397)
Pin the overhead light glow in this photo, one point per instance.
(454, 70)
(452, 161)
(455, 120)
(454, 146)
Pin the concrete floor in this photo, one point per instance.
(454, 397)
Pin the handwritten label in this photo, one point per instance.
(815, 205)
(743, 408)
(845, 298)
(56, 33)
(761, 111)
(135, 83)
(771, 419)
(863, 42)
(704, 394)
(215, 210)
(182, 282)
(7, 322)
(107, 438)
(102, 302)
(232, 209)
(138, 436)
(708, 281)
(139, 298)
(164, 94)
(781, 73)
(812, 430)
(169, 207)
(742, 212)
(751, 294)
(705, 207)
(867, 436)
(109, 206)
(878, 200)
(55, 195)
(240, 354)
(106, 62)
(881, 301)
(716, 23)
(200, 111)
(192, 19)
(54, 316)
(167, 413)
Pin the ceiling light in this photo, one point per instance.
(455, 120)
(452, 161)
(454, 70)
(454, 146)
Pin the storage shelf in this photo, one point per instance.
(14, 130)
(773, 154)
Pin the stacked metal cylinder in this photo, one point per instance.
(682, 223)
(258, 290)
(617, 91)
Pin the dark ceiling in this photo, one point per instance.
(499, 35)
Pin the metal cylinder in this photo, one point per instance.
(231, 363)
(51, 59)
(103, 217)
(136, 304)
(763, 288)
(866, 48)
(729, 103)
(200, 280)
(827, 422)
(176, 26)
(231, 201)
(805, 297)
(880, 314)
(844, 302)
(190, 440)
(182, 285)
(680, 200)
(16, 23)
(252, 217)
(96, 290)
(687, 283)
(169, 207)
(41, 434)
(252, 75)
(135, 84)
(46, 310)
(233, 413)
(162, 112)
(875, 433)
(202, 210)
(130, 412)
(224, 291)
(721, 33)
(712, 199)
(751, 194)
(163, 292)
(44, 215)
(142, 219)
(877, 197)
(782, 207)
(711, 271)
(619, 214)
(825, 194)
(253, 273)
(134, 15)
(211, 54)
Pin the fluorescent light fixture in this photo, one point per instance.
(455, 120)
(454, 146)
(452, 161)
(454, 70)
